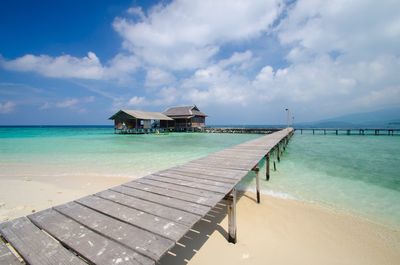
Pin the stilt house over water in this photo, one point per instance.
(136, 121)
(186, 117)
(183, 118)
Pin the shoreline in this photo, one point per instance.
(60, 190)
(280, 231)
(333, 209)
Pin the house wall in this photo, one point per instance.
(198, 121)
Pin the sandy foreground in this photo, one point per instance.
(277, 231)
(22, 195)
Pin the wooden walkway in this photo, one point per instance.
(139, 221)
(359, 131)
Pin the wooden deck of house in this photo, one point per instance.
(139, 221)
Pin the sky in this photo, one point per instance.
(241, 62)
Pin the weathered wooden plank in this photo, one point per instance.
(6, 256)
(156, 209)
(199, 178)
(90, 245)
(220, 172)
(165, 200)
(246, 151)
(172, 193)
(221, 165)
(225, 174)
(172, 186)
(233, 156)
(35, 246)
(201, 175)
(149, 222)
(214, 158)
(222, 160)
(139, 240)
(225, 163)
(187, 183)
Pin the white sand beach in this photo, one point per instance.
(23, 195)
(277, 231)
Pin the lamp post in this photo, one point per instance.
(288, 114)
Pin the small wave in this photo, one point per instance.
(278, 194)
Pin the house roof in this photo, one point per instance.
(143, 115)
(184, 112)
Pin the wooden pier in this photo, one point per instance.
(139, 221)
(353, 131)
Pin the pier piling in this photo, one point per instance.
(279, 153)
(257, 170)
(267, 166)
(231, 199)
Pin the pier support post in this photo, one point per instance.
(324, 131)
(267, 167)
(313, 131)
(274, 166)
(231, 199)
(279, 154)
(301, 131)
(257, 171)
(337, 132)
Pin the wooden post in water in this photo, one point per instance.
(324, 131)
(279, 155)
(301, 131)
(313, 132)
(267, 166)
(337, 132)
(274, 166)
(231, 199)
(257, 170)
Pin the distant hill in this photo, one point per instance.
(385, 118)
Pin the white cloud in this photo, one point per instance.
(7, 107)
(137, 101)
(64, 66)
(359, 29)
(335, 53)
(156, 77)
(187, 34)
(68, 103)
(74, 104)
(166, 96)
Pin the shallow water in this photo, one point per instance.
(357, 174)
(98, 151)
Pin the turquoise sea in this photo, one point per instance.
(356, 174)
